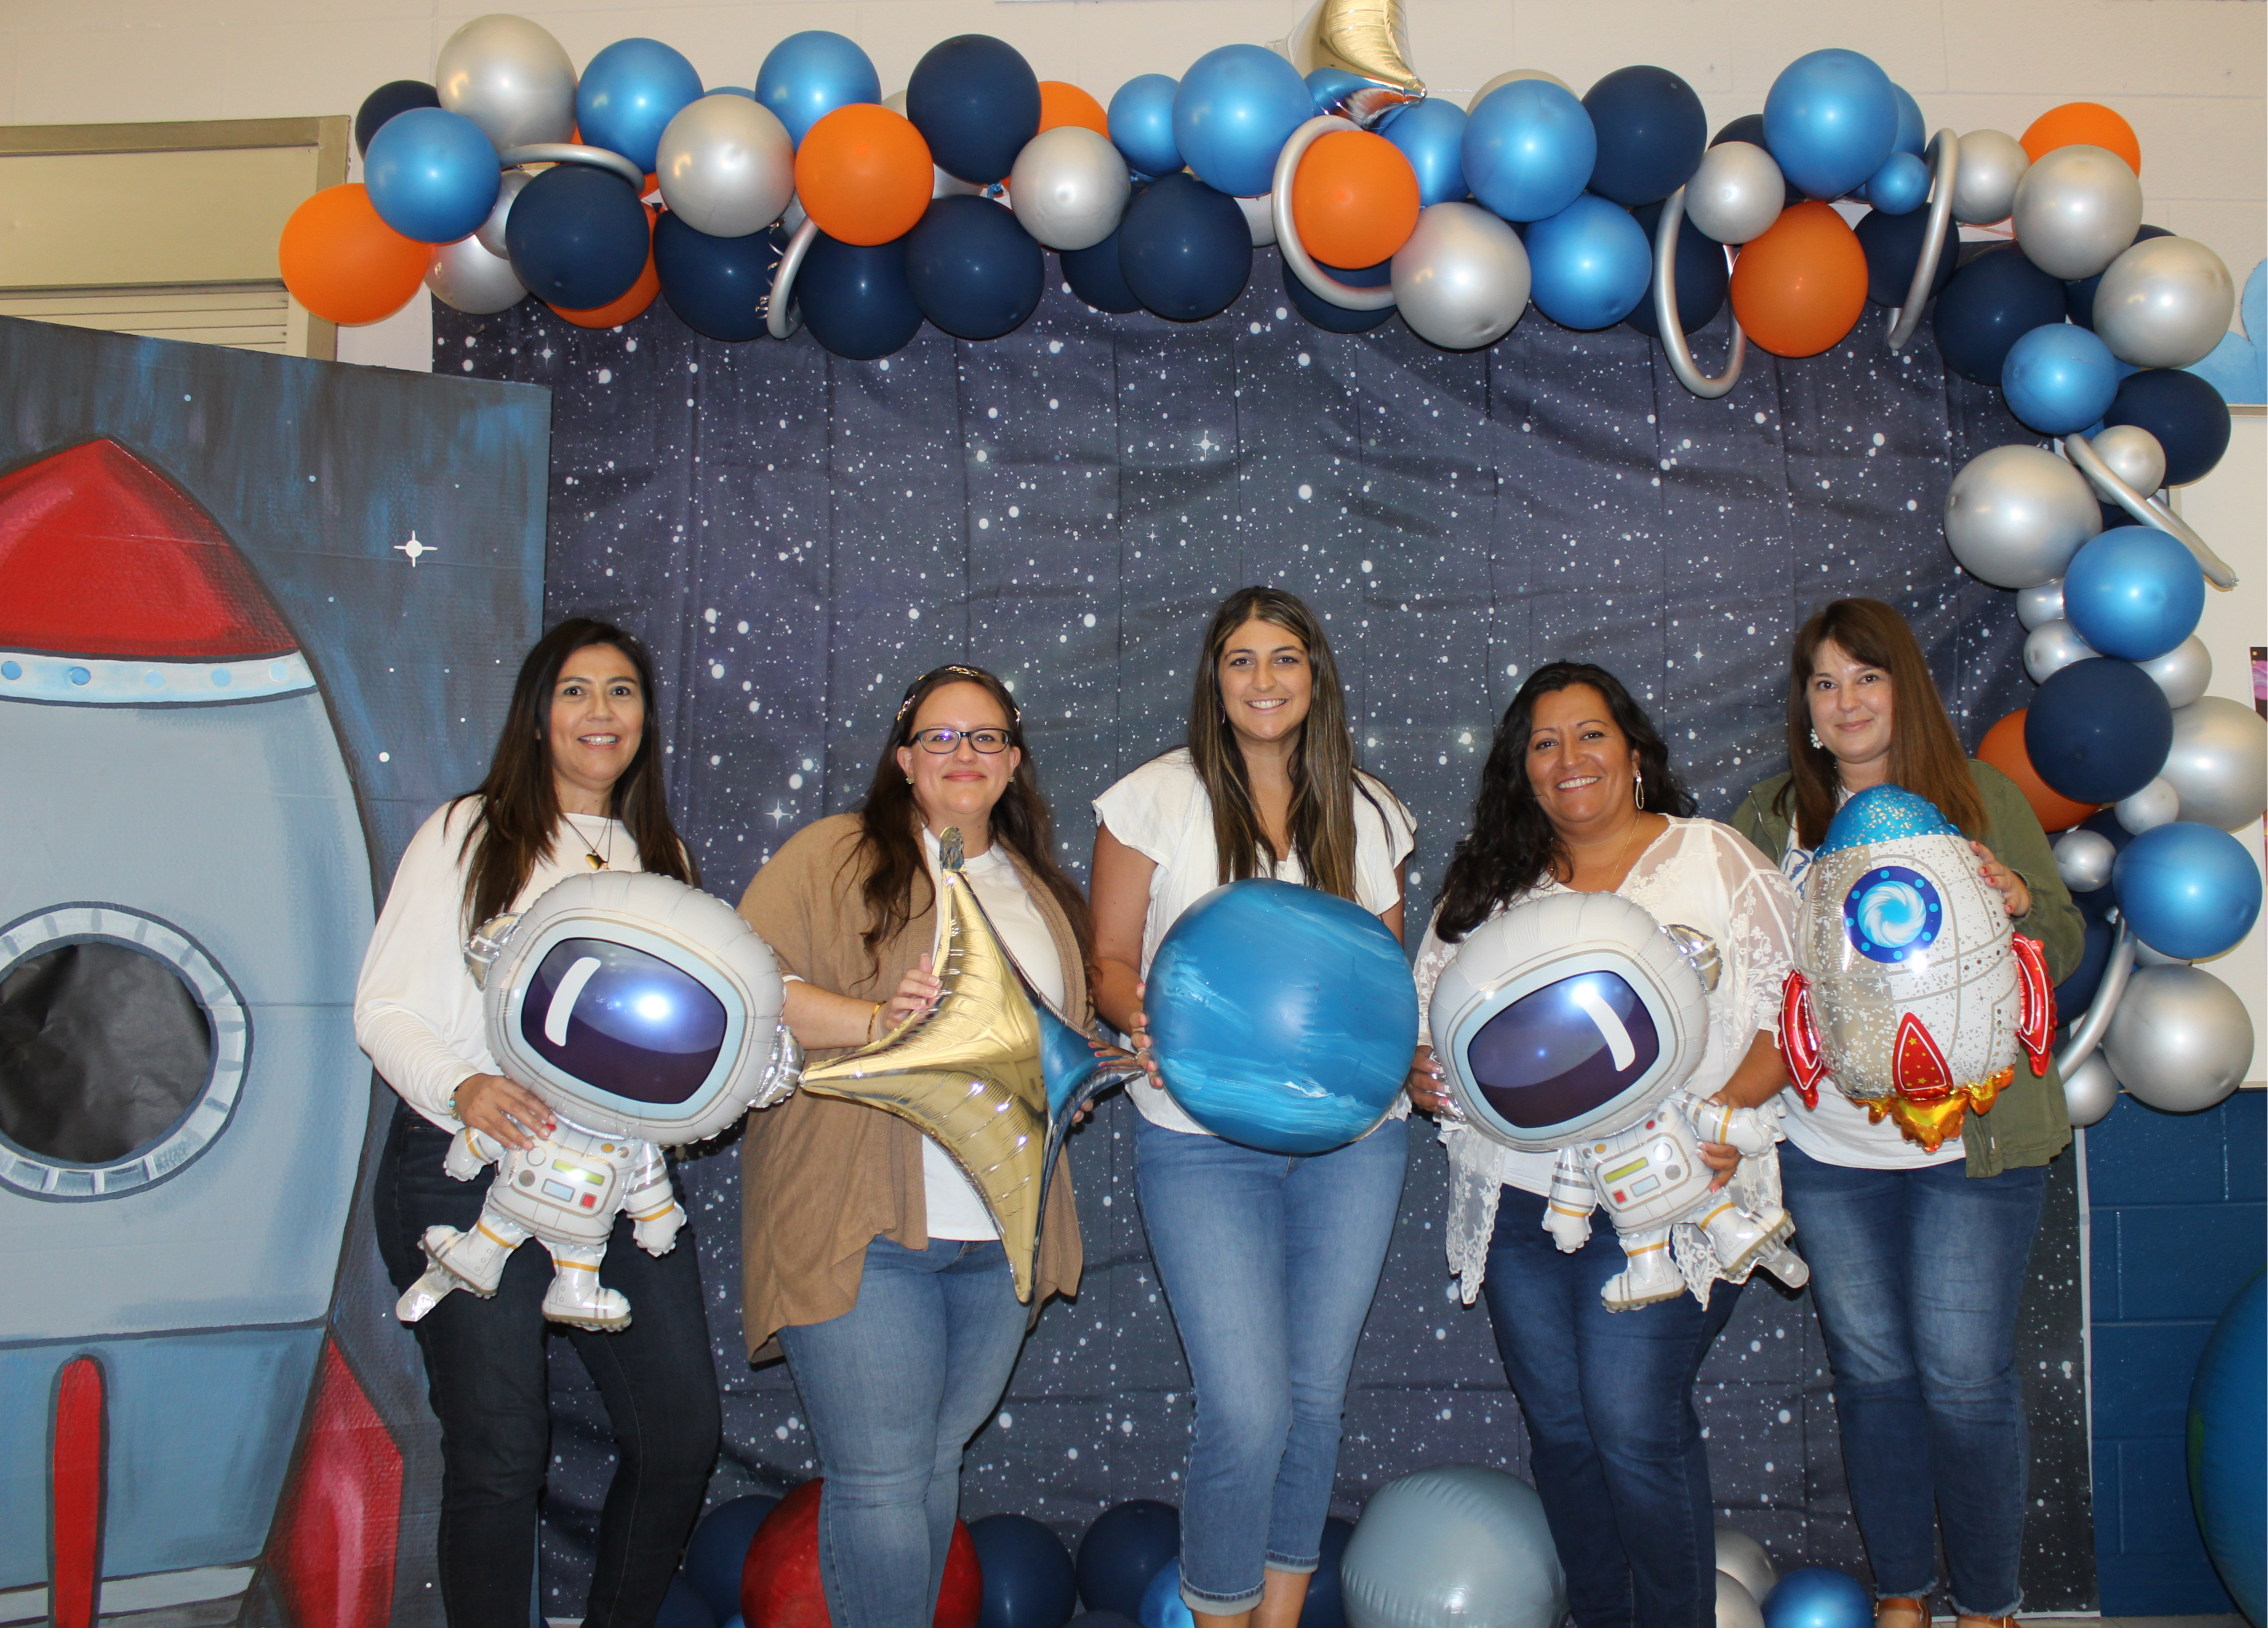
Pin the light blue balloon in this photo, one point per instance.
(1830, 119)
(2059, 377)
(1233, 110)
(432, 174)
(1432, 136)
(1901, 185)
(809, 74)
(1589, 265)
(2134, 592)
(629, 93)
(1328, 87)
(1529, 149)
(2188, 890)
(1913, 133)
(1163, 1605)
(1142, 124)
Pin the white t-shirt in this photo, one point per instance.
(1161, 812)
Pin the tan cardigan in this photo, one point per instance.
(820, 1178)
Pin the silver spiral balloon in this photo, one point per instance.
(2164, 303)
(726, 165)
(2132, 454)
(2181, 1039)
(2015, 515)
(1070, 187)
(2084, 860)
(2052, 646)
(2037, 606)
(2077, 210)
(2156, 804)
(1992, 163)
(2182, 672)
(511, 78)
(1736, 193)
(491, 232)
(1462, 279)
(2217, 764)
(2090, 1092)
(467, 278)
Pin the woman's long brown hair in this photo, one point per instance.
(1925, 756)
(519, 815)
(889, 849)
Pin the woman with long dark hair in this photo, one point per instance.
(1269, 1263)
(1578, 795)
(575, 785)
(1919, 1257)
(866, 1252)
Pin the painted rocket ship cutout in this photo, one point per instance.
(1913, 993)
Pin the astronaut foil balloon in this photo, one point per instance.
(1912, 992)
(646, 1014)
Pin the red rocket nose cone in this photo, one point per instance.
(102, 556)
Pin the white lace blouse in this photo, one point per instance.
(1697, 874)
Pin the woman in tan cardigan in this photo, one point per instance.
(866, 1252)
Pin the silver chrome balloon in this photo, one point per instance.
(781, 315)
(2182, 672)
(1673, 343)
(2077, 210)
(511, 78)
(944, 184)
(2040, 604)
(2164, 303)
(1070, 187)
(1744, 1560)
(2090, 1092)
(465, 277)
(2145, 956)
(2147, 509)
(1736, 1607)
(2015, 515)
(573, 152)
(2052, 646)
(2086, 1032)
(791, 217)
(2217, 764)
(1512, 78)
(2181, 1041)
(2156, 804)
(2132, 454)
(1260, 219)
(1321, 283)
(1737, 193)
(1462, 279)
(510, 185)
(1992, 163)
(1945, 160)
(2084, 860)
(726, 165)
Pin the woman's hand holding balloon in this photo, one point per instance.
(1425, 1088)
(494, 1106)
(915, 994)
(2014, 895)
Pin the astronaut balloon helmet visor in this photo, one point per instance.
(633, 1005)
(1568, 1016)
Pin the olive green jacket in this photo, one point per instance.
(2029, 1124)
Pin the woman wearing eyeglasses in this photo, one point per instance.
(867, 1254)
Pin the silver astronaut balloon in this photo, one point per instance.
(1912, 992)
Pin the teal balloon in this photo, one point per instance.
(2133, 592)
(2057, 378)
(1529, 149)
(1141, 120)
(1432, 136)
(1233, 110)
(629, 93)
(1830, 119)
(2227, 1424)
(809, 74)
(2188, 890)
(1590, 264)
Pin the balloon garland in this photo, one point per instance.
(811, 201)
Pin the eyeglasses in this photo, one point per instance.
(943, 741)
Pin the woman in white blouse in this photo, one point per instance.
(575, 786)
(1578, 795)
(1269, 1263)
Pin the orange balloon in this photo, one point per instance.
(1354, 199)
(345, 264)
(1798, 288)
(2003, 747)
(1062, 104)
(2083, 124)
(864, 173)
(631, 305)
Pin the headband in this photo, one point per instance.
(959, 669)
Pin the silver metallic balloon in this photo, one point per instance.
(2156, 804)
(2132, 454)
(1260, 219)
(2040, 604)
(896, 101)
(944, 184)
(2077, 210)
(1736, 1607)
(511, 78)
(2219, 762)
(1743, 1559)
(2164, 303)
(793, 217)
(2090, 1090)
(2083, 859)
(1992, 163)
(2052, 646)
(2015, 515)
(1070, 187)
(726, 166)
(1513, 77)
(2181, 1039)
(467, 277)
(2182, 672)
(2145, 956)
(1462, 279)
(491, 232)
(1736, 193)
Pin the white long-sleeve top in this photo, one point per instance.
(418, 1010)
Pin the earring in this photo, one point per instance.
(1815, 743)
(1637, 792)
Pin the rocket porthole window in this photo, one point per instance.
(1892, 914)
(122, 1048)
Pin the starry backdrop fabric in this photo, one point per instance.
(799, 536)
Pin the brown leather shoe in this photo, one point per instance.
(1892, 1610)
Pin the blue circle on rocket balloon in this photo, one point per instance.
(1891, 912)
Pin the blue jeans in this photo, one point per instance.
(895, 1387)
(1612, 1436)
(1268, 1263)
(1916, 1274)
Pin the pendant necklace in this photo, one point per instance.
(597, 864)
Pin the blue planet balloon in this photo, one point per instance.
(2188, 890)
(809, 74)
(1818, 1597)
(1337, 319)
(1233, 110)
(2182, 410)
(1123, 1550)
(1529, 149)
(2133, 592)
(2059, 379)
(1282, 1018)
(1991, 302)
(1913, 131)
(682, 1606)
(1589, 265)
(1901, 185)
(1892, 245)
(1184, 249)
(2227, 1420)
(1703, 277)
(973, 270)
(717, 286)
(2078, 297)
(432, 175)
(2098, 730)
(1432, 136)
(1651, 132)
(629, 93)
(1141, 119)
(577, 237)
(1029, 1581)
(977, 101)
(1163, 1605)
(1096, 277)
(854, 298)
(719, 1549)
(1830, 119)
(395, 96)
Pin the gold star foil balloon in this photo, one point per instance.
(1367, 43)
(990, 1071)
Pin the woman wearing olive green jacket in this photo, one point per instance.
(1918, 1258)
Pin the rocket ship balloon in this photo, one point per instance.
(1912, 991)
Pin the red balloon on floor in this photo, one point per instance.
(780, 1586)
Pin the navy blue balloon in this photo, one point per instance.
(719, 1549)
(1141, 120)
(2133, 592)
(1121, 1552)
(1892, 244)
(1588, 265)
(1096, 277)
(1818, 1597)
(432, 175)
(2098, 730)
(854, 297)
(2076, 992)
(1650, 131)
(629, 93)
(1233, 110)
(1703, 277)
(1901, 185)
(682, 1606)
(2188, 890)
(2184, 412)
(395, 96)
(1185, 249)
(1430, 135)
(809, 74)
(977, 101)
(1913, 131)
(1830, 118)
(577, 237)
(1991, 302)
(2078, 297)
(973, 270)
(1749, 128)
(1106, 1619)
(717, 286)
(1326, 1605)
(1337, 319)
(1028, 1579)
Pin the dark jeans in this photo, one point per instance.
(1916, 1274)
(1612, 1436)
(485, 1376)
